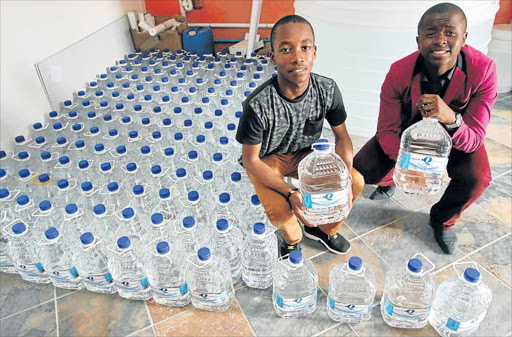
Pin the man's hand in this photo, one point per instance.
(298, 207)
(433, 106)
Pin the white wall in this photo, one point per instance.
(30, 32)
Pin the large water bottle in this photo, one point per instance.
(128, 271)
(408, 296)
(325, 183)
(259, 257)
(58, 261)
(423, 157)
(460, 305)
(295, 286)
(166, 275)
(351, 292)
(228, 242)
(91, 261)
(209, 281)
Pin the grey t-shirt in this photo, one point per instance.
(284, 126)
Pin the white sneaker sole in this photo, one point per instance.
(314, 238)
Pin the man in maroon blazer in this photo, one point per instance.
(457, 84)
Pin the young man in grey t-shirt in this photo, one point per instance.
(282, 118)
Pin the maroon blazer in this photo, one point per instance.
(471, 93)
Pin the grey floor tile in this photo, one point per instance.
(341, 330)
(17, 295)
(416, 202)
(258, 308)
(148, 332)
(500, 156)
(504, 95)
(39, 321)
(504, 104)
(88, 314)
(496, 199)
(496, 258)
(369, 214)
(402, 239)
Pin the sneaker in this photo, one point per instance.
(336, 243)
(286, 249)
(446, 237)
(383, 192)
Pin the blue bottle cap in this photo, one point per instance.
(119, 106)
(61, 140)
(112, 186)
(63, 183)
(207, 175)
(472, 275)
(137, 107)
(157, 109)
(255, 200)
(295, 256)
(112, 132)
(107, 117)
(99, 93)
(240, 75)
(87, 238)
(189, 222)
(57, 126)
(2, 154)
(252, 85)
(187, 123)
(51, 233)
(94, 129)
(123, 242)
(167, 121)
(198, 110)
(86, 186)
(224, 101)
(126, 119)
(23, 200)
(173, 72)
(217, 81)
(68, 103)
(54, 114)
(83, 164)
(91, 114)
(147, 98)
(200, 139)
(204, 254)
(162, 247)
(166, 99)
(238, 114)
(192, 90)
(192, 154)
(185, 99)
(156, 135)
(415, 265)
(149, 79)
(135, 77)
(40, 140)
(99, 147)
(4, 193)
(130, 167)
(211, 90)
(224, 198)
(224, 140)
(208, 125)
(169, 151)
(77, 127)
(259, 228)
(190, 73)
(44, 178)
(164, 193)
(236, 176)
(218, 112)
(133, 134)
(157, 218)
(193, 196)
(2, 173)
(178, 136)
(24, 173)
(222, 224)
(86, 103)
(23, 155)
(146, 121)
(321, 147)
(37, 126)
(121, 149)
(156, 169)
(355, 263)
(139, 87)
(130, 96)
(45, 155)
(217, 156)
(138, 62)
(231, 127)
(45, 205)
(105, 166)
(145, 149)
(233, 84)
(138, 189)
(79, 144)
(181, 172)
(128, 213)
(99, 209)
(126, 85)
(71, 209)
(19, 228)
(177, 110)
(157, 71)
(199, 81)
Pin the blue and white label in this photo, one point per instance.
(295, 303)
(133, 285)
(212, 298)
(325, 201)
(65, 275)
(171, 292)
(30, 269)
(422, 163)
(471, 325)
(348, 308)
(100, 280)
(419, 314)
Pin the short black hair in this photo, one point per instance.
(288, 19)
(444, 7)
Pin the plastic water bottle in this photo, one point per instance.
(128, 271)
(228, 242)
(166, 275)
(351, 292)
(408, 296)
(92, 262)
(209, 281)
(295, 286)
(460, 305)
(58, 261)
(423, 157)
(325, 183)
(259, 257)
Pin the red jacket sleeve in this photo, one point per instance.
(389, 123)
(475, 118)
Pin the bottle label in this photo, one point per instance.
(212, 298)
(419, 314)
(422, 163)
(101, 280)
(65, 275)
(347, 308)
(31, 269)
(133, 286)
(325, 201)
(291, 304)
(455, 325)
(171, 292)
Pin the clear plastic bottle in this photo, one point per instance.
(408, 296)
(423, 157)
(92, 262)
(58, 261)
(166, 274)
(209, 281)
(351, 292)
(295, 286)
(259, 257)
(228, 242)
(324, 183)
(460, 305)
(128, 271)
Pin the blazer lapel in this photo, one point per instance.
(456, 88)
(415, 93)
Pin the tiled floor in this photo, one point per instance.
(384, 234)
